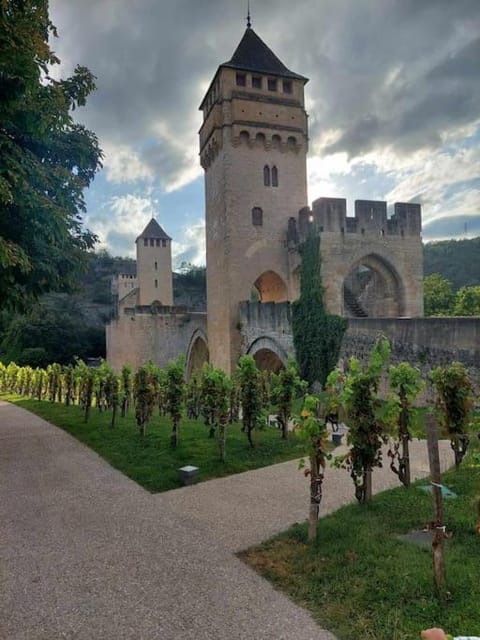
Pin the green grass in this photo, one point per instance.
(361, 582)
(151, 461)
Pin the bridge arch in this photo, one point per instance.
(268, 354)
(270, 287)
(197, 353)
(373, 288)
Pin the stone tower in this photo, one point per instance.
(253, 145)
(154, 265)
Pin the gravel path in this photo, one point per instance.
(85, 553)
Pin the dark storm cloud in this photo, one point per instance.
(382, 72)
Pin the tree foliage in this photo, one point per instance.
(216, 393)
(454, 405)
(53, 330)
(456, 260)
(250, 384)
(317, 336)
(312, 429)
(144, 395)
(175, 385)
(286, 386)
(438, 296)
(47, 159)
(405, 385)
(467, 302)
(366, 428)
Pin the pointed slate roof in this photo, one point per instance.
(252, 54)
(153, 230)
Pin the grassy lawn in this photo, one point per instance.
(151, 461)
(361, 582)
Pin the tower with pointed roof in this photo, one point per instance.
(253, 145)
(154, 266)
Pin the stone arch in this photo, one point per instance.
(197, 353)
(373, 288)
(268, 354)
(271, 287)
(244, 136)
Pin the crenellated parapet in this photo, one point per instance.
(330, 216)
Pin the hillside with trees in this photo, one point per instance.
(456, 260)
(59, 326)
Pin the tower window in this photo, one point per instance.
(156, 284)
(152, 242)
(274, 177)
(266, 175)
(156, 265)
(257, 82)
(241, 80)
(257, 216)
(145, 242)
(276, 141)
(287, 86)
(272, 84)
(164, 243)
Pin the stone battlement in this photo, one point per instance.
(330, 216)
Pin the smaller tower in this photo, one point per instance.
(154, 266)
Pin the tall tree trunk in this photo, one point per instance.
(438, 536)
(114, 415)
(404, 467)
(174, 438)
(367, 483)
(316, 479)
(249, 436)
(221, 441)
(406, 475)
(284, 420)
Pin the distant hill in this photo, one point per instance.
(456, 260)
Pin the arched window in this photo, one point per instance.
(244, 136)
(156, 265)
(276, 141)
(257, 216)
(292, 142)
(266, 175)
(274, 176)
(260, 138)
(156, 284)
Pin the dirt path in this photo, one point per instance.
(85, 553)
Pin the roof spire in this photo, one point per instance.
(249, 20)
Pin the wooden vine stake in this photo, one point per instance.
(438, 527)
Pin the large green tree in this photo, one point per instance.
(438, 296)
(46, 159)
(54, 330)
(467, 302)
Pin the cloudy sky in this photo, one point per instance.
(393, 100)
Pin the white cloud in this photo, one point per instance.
(190, 246)
(123, 164)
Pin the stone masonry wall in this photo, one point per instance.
(269, 323)
(159, 335)
(423, 342)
